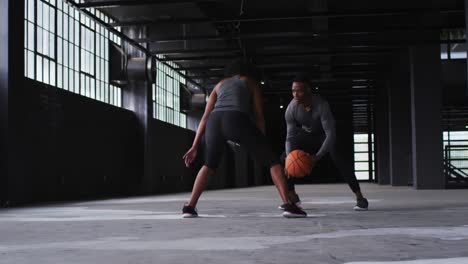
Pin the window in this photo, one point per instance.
(362, 166)
(166, 95)
(453, 44)
(68, 50)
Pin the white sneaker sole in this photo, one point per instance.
(189, 216)
(291, 215)
(357, 208)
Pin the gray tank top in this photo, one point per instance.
(233, 95)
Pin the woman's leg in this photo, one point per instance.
(238, 128)
(214, 146)
(200, 184)
(279, 179)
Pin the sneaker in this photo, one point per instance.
(293, 198)
(189, 212)
(298, 204)
(361, 205)
(292, 211)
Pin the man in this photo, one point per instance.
(311, 128)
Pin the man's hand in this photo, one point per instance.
(314, 159)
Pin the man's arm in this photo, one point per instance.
(328, 124)
(291, 129)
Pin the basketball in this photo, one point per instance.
(298, 163)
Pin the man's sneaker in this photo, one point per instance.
(292, 211)
(298, 204)
(293, 198)
(189, 212)
(361, 205)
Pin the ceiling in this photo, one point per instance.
(343, 45)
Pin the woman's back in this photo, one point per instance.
(233, 95)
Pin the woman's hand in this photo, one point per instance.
(190, 156)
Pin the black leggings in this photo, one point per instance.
(344, 166)
(237, 127)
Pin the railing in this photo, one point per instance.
(456, 176)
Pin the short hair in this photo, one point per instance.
(302, 78)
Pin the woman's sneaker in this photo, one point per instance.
(292, 211)
(189, 212)
(361, 205)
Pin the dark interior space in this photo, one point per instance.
(105, 134)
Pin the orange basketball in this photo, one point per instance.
(298, 163)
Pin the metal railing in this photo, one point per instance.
(456, 176)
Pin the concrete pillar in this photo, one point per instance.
(344, 144)
(466, 36)
(4, 94)
(136, 96)
(382, 136)
(400, 120)
(426, 116)
(12, 187)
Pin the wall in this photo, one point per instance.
(454, 82)
(65, 146)
(170, 143)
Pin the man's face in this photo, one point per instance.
(299, 91)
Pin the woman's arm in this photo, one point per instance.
(192, 152)
(209, 107)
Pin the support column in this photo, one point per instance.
(466, 36)
(382, 136)
(400, 120)
(12, 187)
(136, 96)
(426, 106)
(4, 94)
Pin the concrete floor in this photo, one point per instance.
(244, 226)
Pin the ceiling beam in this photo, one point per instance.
(195, 51)
(292, 54)
(235, 37)
(121, 3)
(303, 38)
(274, 65)
(314, 15)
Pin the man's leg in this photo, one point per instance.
(346, 169)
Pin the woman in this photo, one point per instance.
(226, 117)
